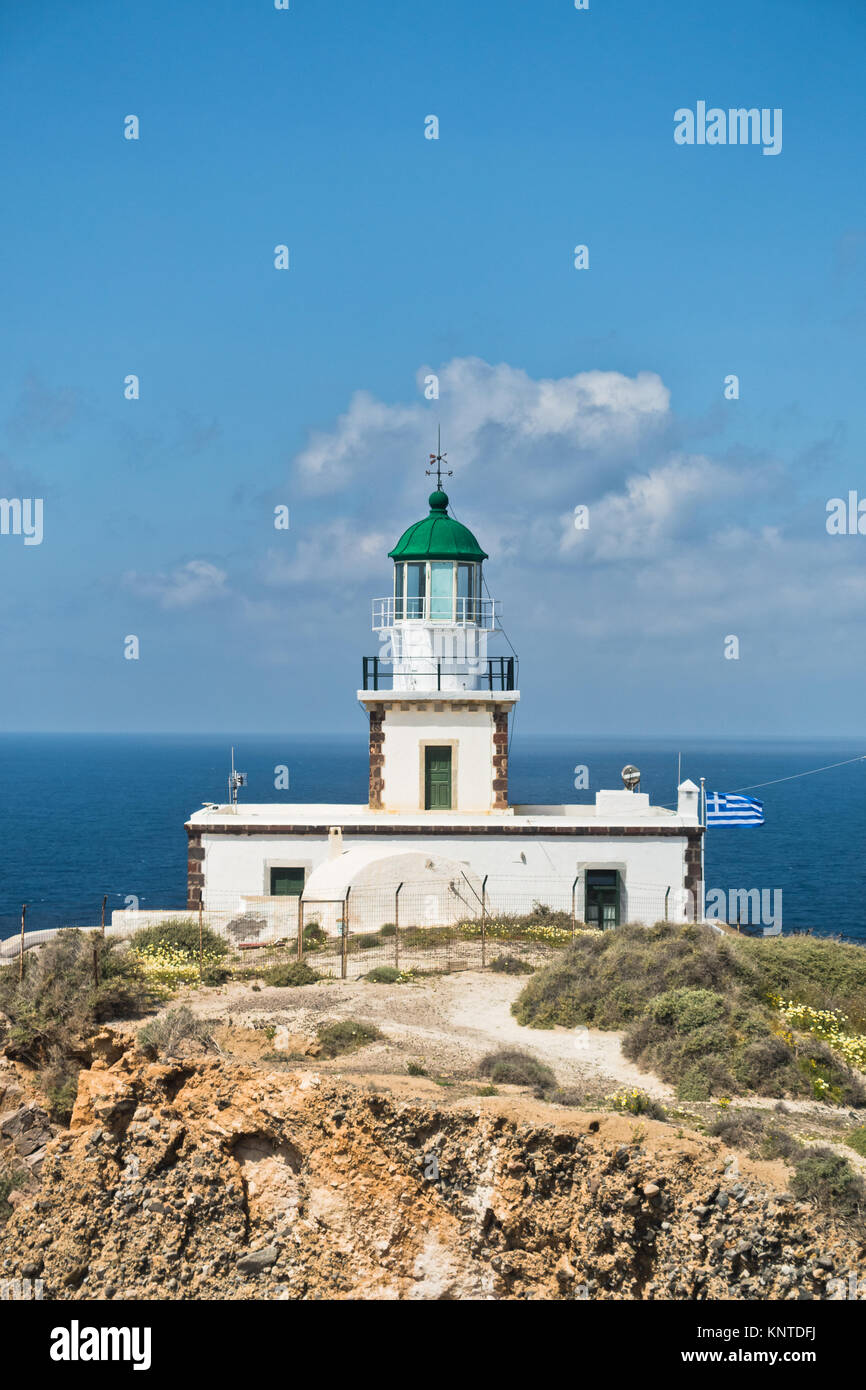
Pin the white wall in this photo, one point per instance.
(520, 869)
(405, 734)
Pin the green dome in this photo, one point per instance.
(438, 537)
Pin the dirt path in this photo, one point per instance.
(447, 1023)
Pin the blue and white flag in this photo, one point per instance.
(724, 808)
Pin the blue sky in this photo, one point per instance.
(411, 256)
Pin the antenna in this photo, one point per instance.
(237, 779)
(438, 458)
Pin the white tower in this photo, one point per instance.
(438, 703)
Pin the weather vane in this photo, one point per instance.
(438, 458)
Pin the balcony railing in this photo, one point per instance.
(496, 673)
(467, 612)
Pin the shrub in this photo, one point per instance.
(857, 1140)
(686, 1009)
(296, 972)
(385, 975)
(416, 1069)
(567, 1095)
(389, 929)
(368, 942)
(696, 1009)
(511, 1067)
(511, 965)
(346, 1035)
(827, 1180)
(171, 1034)
(314, 934)
(70, 985)
(9, 1181)
(180, 934)
(739, 1129)
(632, 1101)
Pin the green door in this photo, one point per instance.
(437, 779)
(287, 883)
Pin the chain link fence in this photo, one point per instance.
(410, 927)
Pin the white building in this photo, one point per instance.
(438, 819)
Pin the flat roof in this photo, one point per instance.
(309, 815)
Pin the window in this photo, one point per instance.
(415, 590)
(287, 883)
(467, 593)
(442, 591)
(602, 898)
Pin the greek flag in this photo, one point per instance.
(724, 808)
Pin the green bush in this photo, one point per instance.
(686, 1009)
(296, 972)
(71, 984)
(511, 965)
(695, 1007)
(511, 1067)
(856, 1140)
(314, 934)
(181, 934)
(346, 1035)
(416, 1069)
(389, 929)
(165, 1036)
(739, 1129)
(384, 975)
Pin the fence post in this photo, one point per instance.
(301, 922)
(397, 927)
(21, 953)
(484, 921)
(200, 965)
(667, 895)
(573, 907)
(104, 901)
(344, 961)
(95, 962)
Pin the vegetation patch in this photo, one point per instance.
(633, 1101)
(169, 953)
(174, 1034)
(388, 975)
(511, 1067)
(296, 972)
(698, 1010)
(9, 1181)
(856, 1140)
(346, 1035)
(511, 965)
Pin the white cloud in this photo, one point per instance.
(197, 581)
(490, 415)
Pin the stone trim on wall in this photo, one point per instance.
(694, 866)
(377, 756)
(194, 868)
(500, 759)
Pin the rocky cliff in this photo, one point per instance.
(204, 1178)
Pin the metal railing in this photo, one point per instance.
(466, 612)
(496, 673)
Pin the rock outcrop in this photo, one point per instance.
(209, 1179)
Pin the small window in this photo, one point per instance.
(287, 883)
(602, 898)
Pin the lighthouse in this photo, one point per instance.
(438, 703)
(439, 827)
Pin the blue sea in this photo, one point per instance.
(86, 815)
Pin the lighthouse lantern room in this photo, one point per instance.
(438, 703)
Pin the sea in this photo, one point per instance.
(88, 815)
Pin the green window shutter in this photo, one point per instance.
(287, 883)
